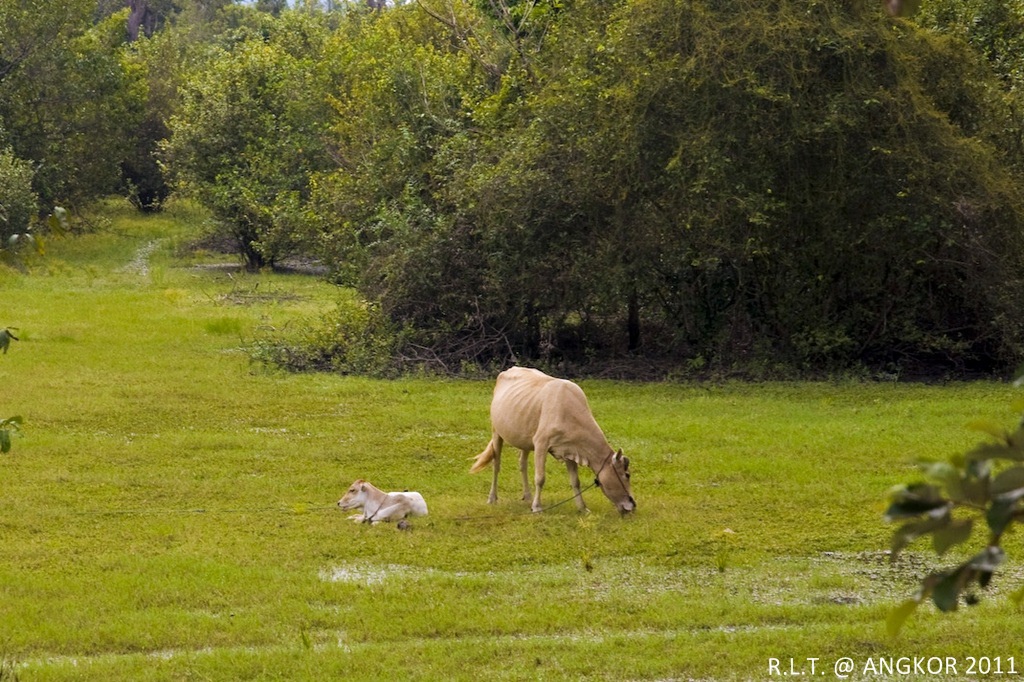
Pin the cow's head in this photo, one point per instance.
(355, 496)
(613, 479)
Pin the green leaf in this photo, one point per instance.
(990, 427)
(996, 451)
(1010, 480)
(950, 477)
(11, 422)
(914, 500)
(978, 468)
(899, 615)
(1000, 513)
(975, 491)
(909, 532)
(939, 471)
(988, 559)
(5, 441)
(946, 595)
(951, 535)
(946, 587)
(1016, 439)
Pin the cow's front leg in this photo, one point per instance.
(574, 481)
(540, 454)
(523, 466)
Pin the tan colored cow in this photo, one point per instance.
(378, 505)
(532, 411)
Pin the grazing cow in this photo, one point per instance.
(378, 505)
(533, 411)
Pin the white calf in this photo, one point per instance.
(378, 505)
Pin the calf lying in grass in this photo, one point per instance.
(378, 505)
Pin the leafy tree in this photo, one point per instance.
(162, 60)
(795, 182)
(762, 175)
(995, 29)
(32, 29)
(66, 91)
(396, 120)
(248, 134)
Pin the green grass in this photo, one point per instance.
(166, 512)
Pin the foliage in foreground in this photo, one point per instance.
(7, 427)
(981, 489)
(11, 424)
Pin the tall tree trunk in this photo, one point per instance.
(633, 320)
(142, 18)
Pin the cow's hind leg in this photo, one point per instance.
(524, 456)
(495, 445)
(392, 512)
(574, 481)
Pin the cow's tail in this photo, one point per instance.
(484, 458)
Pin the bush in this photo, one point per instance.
(352, 339)
(18, 203)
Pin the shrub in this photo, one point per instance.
(354, 338)
(18, 203)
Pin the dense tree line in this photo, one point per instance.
(786, 184)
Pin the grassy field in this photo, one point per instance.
(167, 512)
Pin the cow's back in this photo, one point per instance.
(527, 401)
(516, 405)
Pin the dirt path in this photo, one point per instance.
(139, 264)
